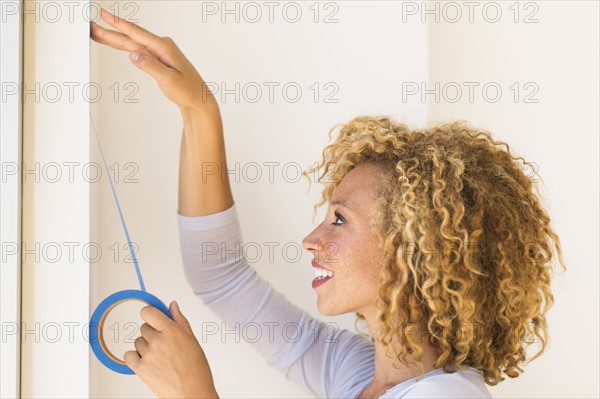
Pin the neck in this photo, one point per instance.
(386, 375)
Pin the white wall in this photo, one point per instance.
(368, 54)
(559, 132)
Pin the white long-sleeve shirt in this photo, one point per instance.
(324, 361)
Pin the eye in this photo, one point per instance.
(338, 217)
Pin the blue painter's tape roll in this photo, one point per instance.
(97, 322)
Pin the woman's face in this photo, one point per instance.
(345, 244)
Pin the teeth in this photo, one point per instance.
(322, 273)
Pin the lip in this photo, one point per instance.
(317, 265)
(317, 282)
(320, 281)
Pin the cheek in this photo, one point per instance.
(372, 260)
(365, 262)
(333, 253)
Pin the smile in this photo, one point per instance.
(322, 276)
(322, 273)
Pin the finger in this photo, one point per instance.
(135, 32)
(94, 30)
(148, 332)
(114, 39)
(132, 360)
(141, 346)
(179, 318)
(145, 61)
(154, 67)
(155, 318)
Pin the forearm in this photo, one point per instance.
(203, 182)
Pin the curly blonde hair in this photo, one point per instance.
(466, 242)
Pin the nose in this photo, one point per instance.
(311, 241)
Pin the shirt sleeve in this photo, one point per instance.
(320, 358)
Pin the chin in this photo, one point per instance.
(327, 313)
(329, 310)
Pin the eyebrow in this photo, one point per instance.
(342, 203)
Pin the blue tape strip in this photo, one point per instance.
(133, 257)
(96, 336)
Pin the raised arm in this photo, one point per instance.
(203, 189)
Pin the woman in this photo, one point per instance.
(434, 237)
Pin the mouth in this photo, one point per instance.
(322, 275)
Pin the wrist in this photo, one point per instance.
(202, 105)
(204, 119)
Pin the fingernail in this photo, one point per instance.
(134, 56)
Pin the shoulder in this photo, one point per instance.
(351, 364)
(467, 383)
